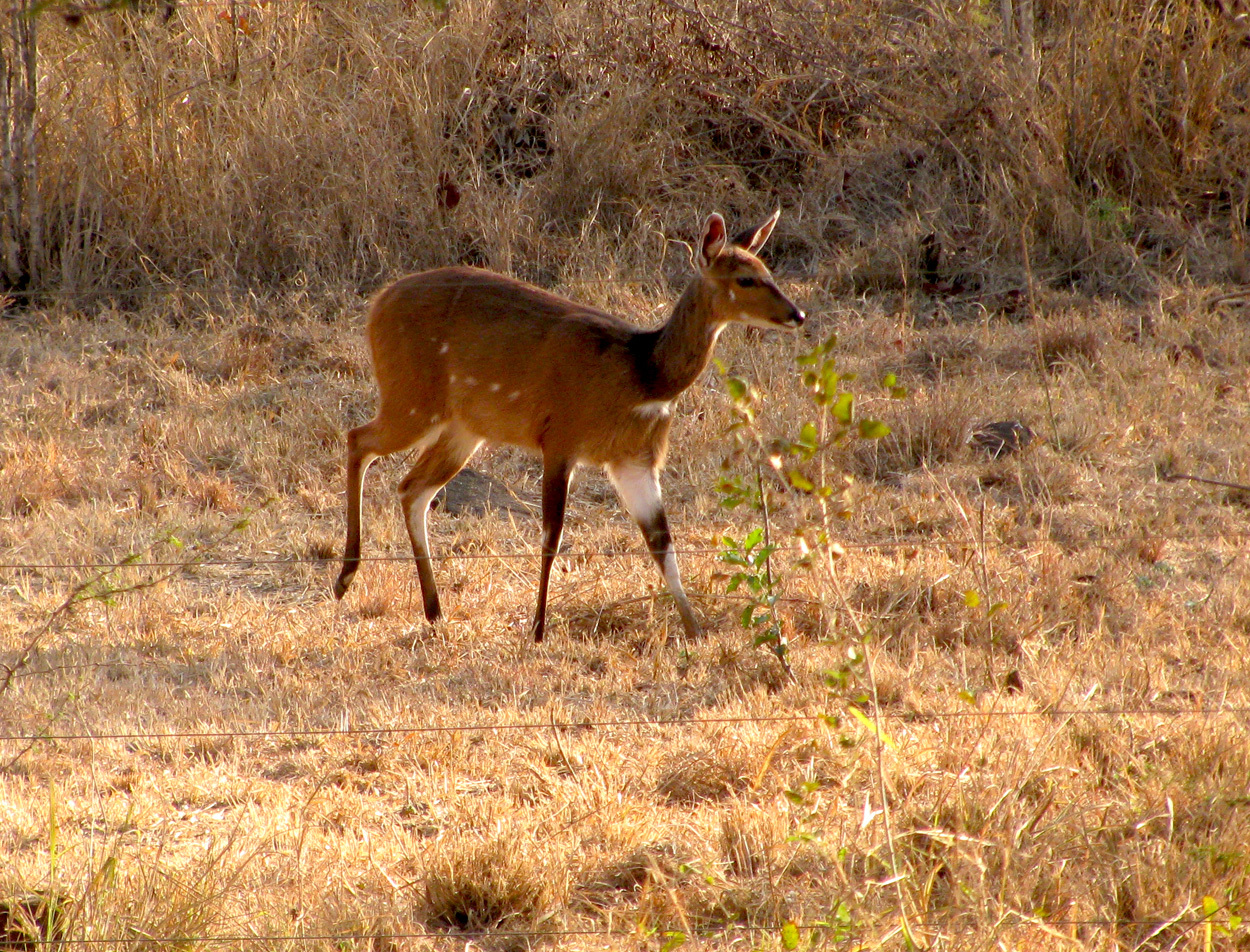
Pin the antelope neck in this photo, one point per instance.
(671, 358)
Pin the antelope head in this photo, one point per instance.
(739, 286)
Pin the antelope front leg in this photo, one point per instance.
(639, 489)
(555, 495)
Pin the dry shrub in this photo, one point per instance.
(331, 145)
(1038, 481)
(1061, 346)
(749, 836)
(926, 431)
(653, 862)
(215, 492)
(475, 883)
(32, 477)
(30, 922)
(709, 774)
(176, 900)
(945, 355)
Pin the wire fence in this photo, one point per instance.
(920, 542)
(535, 727)
(381, 939)
(1054, 711)
(1143, 929)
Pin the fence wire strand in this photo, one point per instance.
(860, 545)
(459, 936)
(919, 717)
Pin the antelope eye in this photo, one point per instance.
(747, 282)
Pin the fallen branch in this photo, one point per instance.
(1173, 477)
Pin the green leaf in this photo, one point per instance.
(799, 481)
(808, 436)
(1210, 906)
(995, 609)
(829, 377)
(755, 538)
(789, 935)
(745, 619)
(871, 725)
(971, 598)
(889, 381)
(873, 429)
(737, 388)
(966, 696)
(899, 393)
(844, 408)
(673, 940)
(762, 555)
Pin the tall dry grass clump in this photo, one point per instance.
(336, 143)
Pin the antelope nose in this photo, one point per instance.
(797, 317)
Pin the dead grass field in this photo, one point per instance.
(1010, 821)
(224, 757)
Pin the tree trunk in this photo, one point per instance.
(21, 232)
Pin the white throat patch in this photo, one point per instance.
(654, 409)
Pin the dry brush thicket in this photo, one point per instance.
(265, 145)
(223, 188)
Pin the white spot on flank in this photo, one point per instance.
(494, 388)
(733, 295)
(470, 381)
(446, 347)
(452, 378)
(514, 394)
(412, 412)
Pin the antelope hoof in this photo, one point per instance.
(433, 611)
(342, 583)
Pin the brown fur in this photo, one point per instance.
(463, 355)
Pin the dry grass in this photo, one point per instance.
(1122, 592)
(239, 755)
(318, 146)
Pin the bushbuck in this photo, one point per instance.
(463, 355)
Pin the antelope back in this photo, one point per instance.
(511, 362)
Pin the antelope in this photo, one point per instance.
(462, 356)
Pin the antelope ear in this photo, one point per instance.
(713, 241)
(753, 238)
